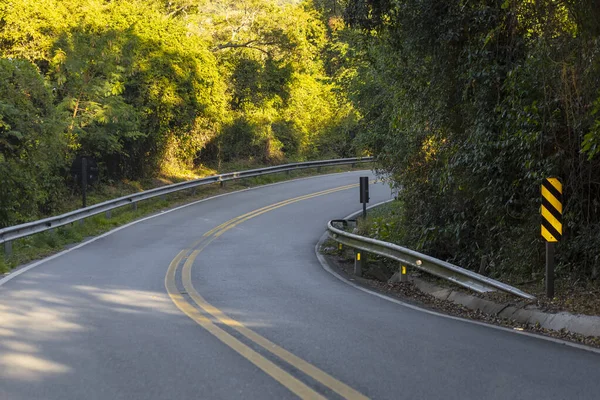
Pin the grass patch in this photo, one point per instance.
(382, 222)
(47, 243)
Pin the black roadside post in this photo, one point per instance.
(84, 174)
(84, 170)
(550, 269)
(552, 210)
(364, 194)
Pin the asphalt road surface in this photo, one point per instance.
(226, 299)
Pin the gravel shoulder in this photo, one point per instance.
(377, 272)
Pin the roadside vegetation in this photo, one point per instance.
(159, 90)
(469, 105)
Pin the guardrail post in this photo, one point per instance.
(8, 248)
(194, 191)
(359, 260)
(318, 169)
(403, 273)
(108, 214)
(222, 183)
(163, 197)
(134, 206)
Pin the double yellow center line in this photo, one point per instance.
(199, 310)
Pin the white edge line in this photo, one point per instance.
(18, 271)
(327, 268)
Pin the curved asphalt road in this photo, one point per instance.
(264, 320)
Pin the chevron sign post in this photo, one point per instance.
(552, 209)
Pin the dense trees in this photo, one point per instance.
(470, 104)
(147, 86)
(280, 93)
(31, 142)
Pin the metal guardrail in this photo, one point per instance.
(7, 235)
(439, 268)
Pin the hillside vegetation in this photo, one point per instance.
(152, 88)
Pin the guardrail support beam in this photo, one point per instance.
(134, 206)
(359, 260)
(8, 248)
(108, 214)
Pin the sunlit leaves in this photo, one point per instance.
(139, 84)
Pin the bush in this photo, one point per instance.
(32, 149)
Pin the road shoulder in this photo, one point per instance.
(423, 296)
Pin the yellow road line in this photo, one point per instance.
(317, 374)
(290, 382)
(225, 226)
(288, 201)
(263, 210)
(295, 361)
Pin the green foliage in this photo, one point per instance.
(147, 86)
(243, 139)
(31, 151)
(131, 80)
(134, 83)
(469, 105)
(282, 100)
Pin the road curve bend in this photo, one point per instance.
(225, 299)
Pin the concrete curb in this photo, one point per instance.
(586, 325)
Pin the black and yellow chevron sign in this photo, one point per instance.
(552, 210)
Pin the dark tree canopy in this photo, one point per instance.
(470, 104)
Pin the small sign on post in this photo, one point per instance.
(364, 193)
(552, 209)
(85, 172)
